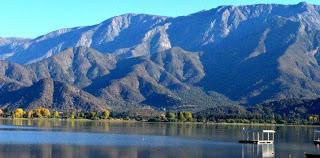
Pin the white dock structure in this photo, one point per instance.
(316, 137)
(258, 136)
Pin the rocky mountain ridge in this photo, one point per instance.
(227, 55)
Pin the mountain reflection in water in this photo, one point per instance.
(103, 139)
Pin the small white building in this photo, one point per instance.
(258, 136)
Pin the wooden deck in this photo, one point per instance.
(256, 141)
(248, 141)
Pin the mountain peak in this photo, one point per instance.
(304, 3)
(305, 6)
(128, 16)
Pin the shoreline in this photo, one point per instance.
(135, 121)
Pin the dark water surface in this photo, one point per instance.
(98, 139)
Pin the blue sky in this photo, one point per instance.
(31, 18)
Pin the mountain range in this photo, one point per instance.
(224, 56)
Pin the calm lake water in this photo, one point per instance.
(98, 139)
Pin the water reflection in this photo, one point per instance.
(78, 138)
(258, 150)
(70, 151)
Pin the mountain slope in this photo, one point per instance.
(142, 80)
(13, 76)
(247, 67)
(53, 95)
(276, 59)
(163, 79)
(76, 66)
(250, 54)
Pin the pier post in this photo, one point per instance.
(272, 136)
(252, 135)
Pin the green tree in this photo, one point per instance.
(72, 115)
(105, 114)
(181, 117)
(188, 116)
(56, 114)
(81, 115)
(313, 118)
(201, 119)
(93, 115)
(171, 116)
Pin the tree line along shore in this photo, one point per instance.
(227, 115)
(42, 112)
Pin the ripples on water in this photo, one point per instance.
(80, 139)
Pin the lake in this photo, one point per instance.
(100, 139)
